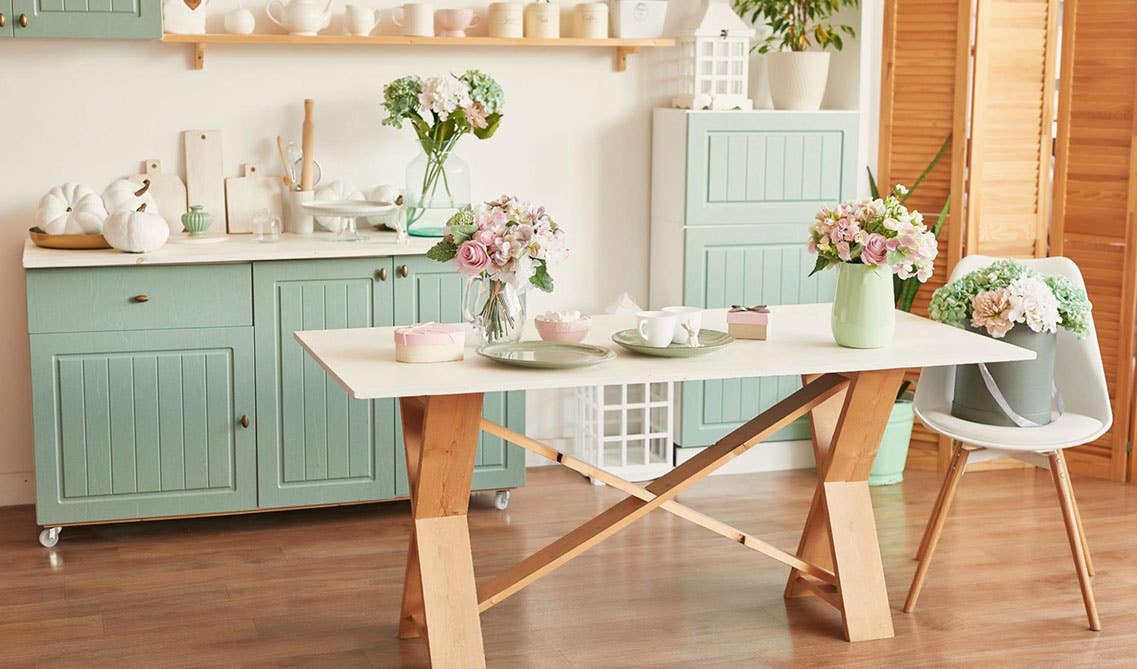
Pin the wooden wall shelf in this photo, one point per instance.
(623, 47)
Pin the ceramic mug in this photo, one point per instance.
(592, 20)
(656, 327)
(296, 220)
(505, 20)
(415, 18)
(692, 317)
(454, 22)
(360, 20)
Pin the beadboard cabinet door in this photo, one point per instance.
(426, 290)
(780, 170)
(7, 21)
(765, 264)
(140, 424)
(316, 445)
(100, 19)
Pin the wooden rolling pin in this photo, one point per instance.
(306, 146)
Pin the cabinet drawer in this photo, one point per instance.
(139, 298)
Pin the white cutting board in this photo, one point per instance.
(247, 194)
(168, 191)
(205, 175)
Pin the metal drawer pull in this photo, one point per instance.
(404, 271)
(382, 274)
(244, 421)
(140, 298)
(3, 20)
(23, 20)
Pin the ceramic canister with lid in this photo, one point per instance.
(505, 19)
(592, 20)
(542, 20)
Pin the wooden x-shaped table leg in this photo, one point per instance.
(441, 436)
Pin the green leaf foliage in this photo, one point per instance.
(541, 278)
(797, 25)
(443, 251)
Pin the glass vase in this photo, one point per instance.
(864, 308)
(496, 310)
(438, 185)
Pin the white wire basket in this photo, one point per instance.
(627, 430)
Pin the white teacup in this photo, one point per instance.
(415, 18)
(455, 22)
(692, 317)
(360, 20)
(656, 327)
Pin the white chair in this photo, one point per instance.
(1079, 375)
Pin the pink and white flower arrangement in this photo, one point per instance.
(507, 240)
(879, 231)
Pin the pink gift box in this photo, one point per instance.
(431, 334)
(743, 316)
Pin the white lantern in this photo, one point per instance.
(714, 60)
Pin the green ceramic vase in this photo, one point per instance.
(892, 456)
(864, 308)
(197, 220)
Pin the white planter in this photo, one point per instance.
(797, 79)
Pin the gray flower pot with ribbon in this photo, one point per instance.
(1011, 394)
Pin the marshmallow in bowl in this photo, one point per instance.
(560, 316)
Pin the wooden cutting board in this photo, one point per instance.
(247, 194)
(168, 191)
(205, 175)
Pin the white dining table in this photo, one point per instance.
(847, 393)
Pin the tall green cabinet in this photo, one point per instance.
(174, 390)
(99, 19)
(733, 196)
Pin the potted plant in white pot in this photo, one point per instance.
(797, 74)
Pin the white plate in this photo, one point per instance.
(347, 208)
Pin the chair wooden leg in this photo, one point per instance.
(936, 525)
(1069, 515)
(938, 506)
(1078, 518)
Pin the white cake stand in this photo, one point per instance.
(350, 211)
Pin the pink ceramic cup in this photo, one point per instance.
(455, 22)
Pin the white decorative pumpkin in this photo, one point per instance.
(386, 193)
(136, 231)
(128, 195)
(71, 209)
(339, 191)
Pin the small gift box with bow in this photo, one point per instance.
(748, 322)
(430, 342)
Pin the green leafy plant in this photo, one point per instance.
(797, 25)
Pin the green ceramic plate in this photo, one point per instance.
(546, 354)
(709, 342)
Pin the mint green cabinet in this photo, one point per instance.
(429, 291)
(142, 424)
(316, 445)
(103, 19)
(7, 21)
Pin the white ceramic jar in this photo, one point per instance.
(592, 20)
(543, 20)
(505, 19)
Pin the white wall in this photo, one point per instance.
(576, 137)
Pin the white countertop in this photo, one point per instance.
(363, 359)
(237, 248)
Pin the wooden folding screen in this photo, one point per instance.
(1095, 197)
(998, 107)
(924, 98)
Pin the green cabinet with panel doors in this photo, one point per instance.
(98, 19)
(733, 196)
(180, 390)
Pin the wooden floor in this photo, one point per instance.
(322, 587)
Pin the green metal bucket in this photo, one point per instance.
(888, 468)
(1027, 385)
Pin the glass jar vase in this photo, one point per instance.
(495, 309)
(438, 185)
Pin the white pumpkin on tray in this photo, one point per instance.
(128, 195)
(138, 231)
(71, 209)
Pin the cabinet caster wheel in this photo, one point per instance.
(49, 536)
(501, 500)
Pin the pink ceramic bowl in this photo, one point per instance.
(566, 332)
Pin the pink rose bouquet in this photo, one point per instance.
(874, 232)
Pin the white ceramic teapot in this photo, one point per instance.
(300, 17)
